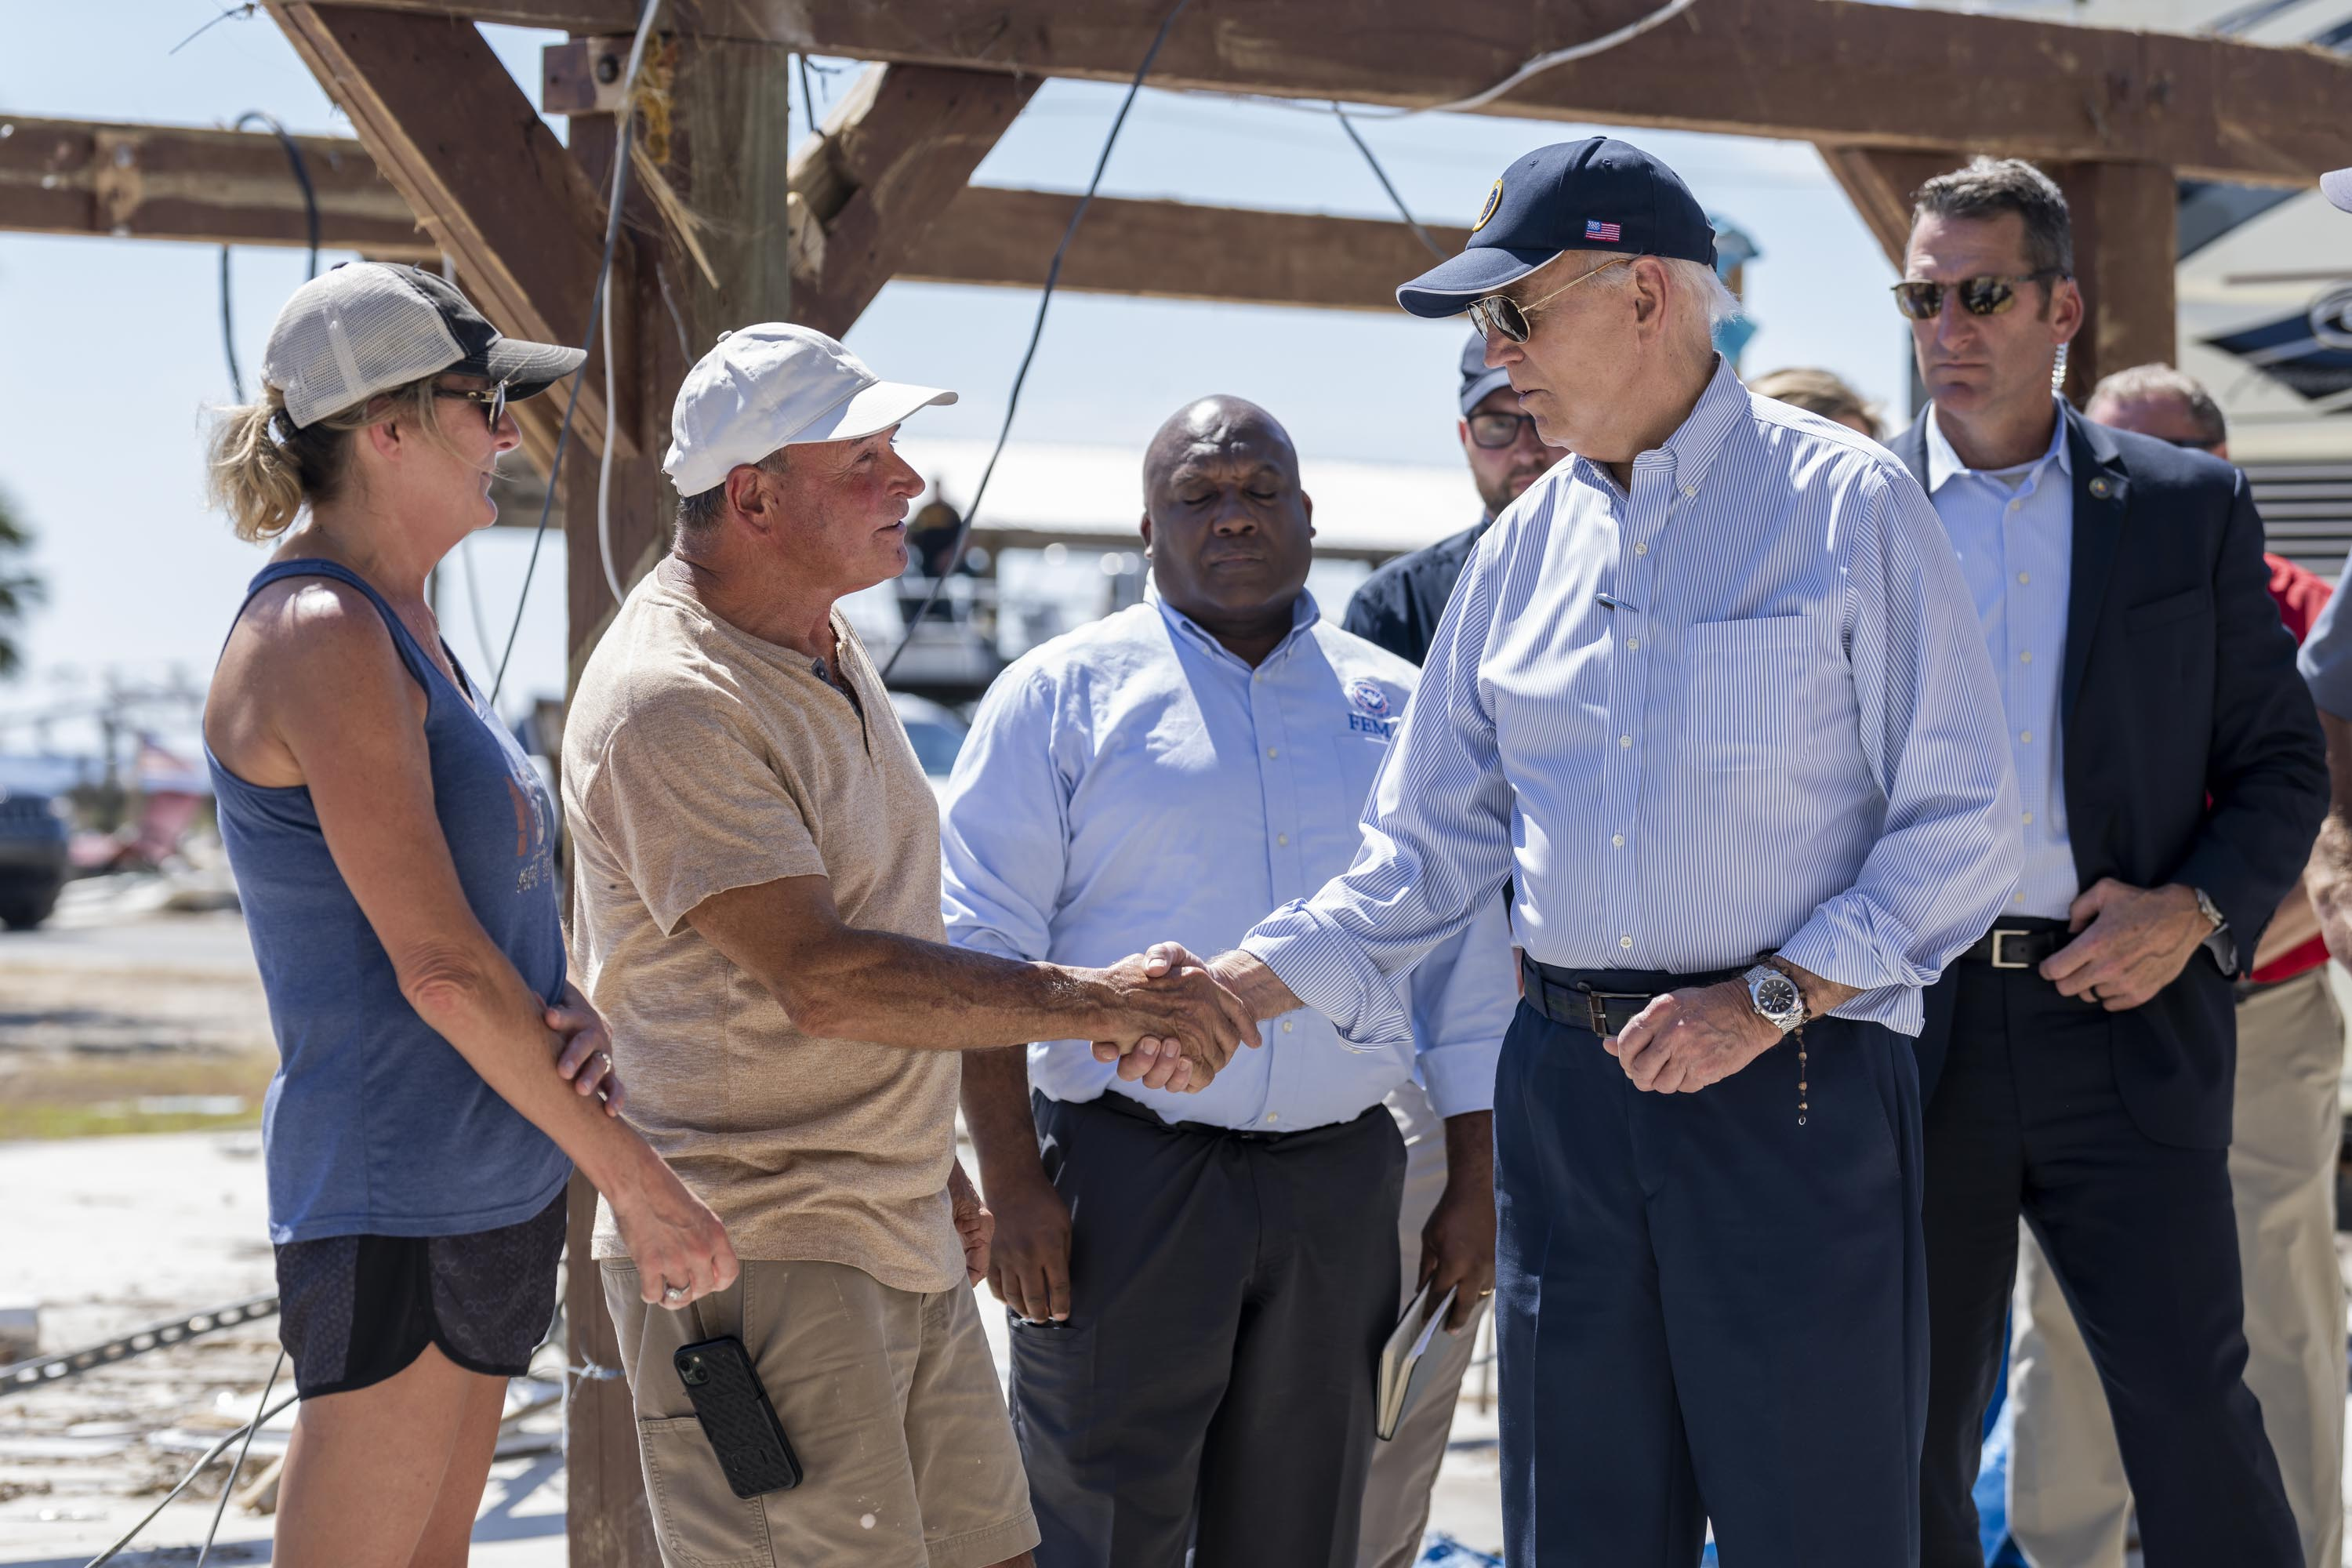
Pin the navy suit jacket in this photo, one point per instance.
(2192, 749)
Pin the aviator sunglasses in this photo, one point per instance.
(1501, 313)
(1922, 300)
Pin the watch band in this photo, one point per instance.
(2208, 908)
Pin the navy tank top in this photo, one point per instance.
(375, 1124)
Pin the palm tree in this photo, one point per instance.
(20, 590)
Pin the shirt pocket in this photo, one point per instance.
(1745, 701)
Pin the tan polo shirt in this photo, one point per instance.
(697, 759)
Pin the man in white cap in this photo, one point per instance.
(757, 918)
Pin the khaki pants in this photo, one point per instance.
(2069, 1505)
(889, 1399)
(1396, 1493)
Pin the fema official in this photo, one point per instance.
(1711, 696)
(1201, 1282)
(2079, 1059)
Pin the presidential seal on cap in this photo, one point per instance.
(773, 386)
(367, 327)
(1595, 194)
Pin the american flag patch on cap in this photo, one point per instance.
(1595, 229)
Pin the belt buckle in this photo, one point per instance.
(1596, 1008)
(2001, 962)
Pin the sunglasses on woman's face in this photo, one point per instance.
(1501, 313)
(1922, 300)
(493, 400)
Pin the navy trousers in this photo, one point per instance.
(2025, 1117)
(1706, 1310)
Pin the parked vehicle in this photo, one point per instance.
(33, 831)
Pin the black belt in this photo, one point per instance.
(2019, 944)
(1586, 999)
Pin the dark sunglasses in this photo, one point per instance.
(1501, 313)
(1497, 431)
(1923, 300)
(493, 400)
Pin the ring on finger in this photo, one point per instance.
(673, 1292)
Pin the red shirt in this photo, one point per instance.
(2300, 596)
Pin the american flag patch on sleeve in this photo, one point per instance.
(1609, 232)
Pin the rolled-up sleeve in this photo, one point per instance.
(1950, 852)
(1436, 844)
(1004, 826)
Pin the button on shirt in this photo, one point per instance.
(1742, 708)
(2014, 531)
(1134, 781)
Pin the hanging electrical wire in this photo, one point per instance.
(595, 315)
(260, 1419)
(310, 222)
(1036, 330)
(229, 1485)
(1531, 69)
(1382, 176)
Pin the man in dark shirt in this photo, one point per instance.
(1398, 606)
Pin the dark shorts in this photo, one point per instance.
(356, 1309)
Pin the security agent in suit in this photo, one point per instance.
(2079, 1059)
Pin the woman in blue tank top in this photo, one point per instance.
(395, 850)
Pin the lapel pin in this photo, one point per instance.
(2100, 487)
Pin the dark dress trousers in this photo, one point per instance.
(2192, 754)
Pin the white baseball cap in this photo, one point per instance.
(777, 385)
(2338, 183)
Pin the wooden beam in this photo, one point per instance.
(191, 182)
(460, 142)
(893, 154)
(1879, 181)
(1816, 70)
(2126, 239)
(1172, 250)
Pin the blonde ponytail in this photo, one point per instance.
(263, 471)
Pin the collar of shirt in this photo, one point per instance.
(1303, 614)
(1943, 463)
(1691, 450)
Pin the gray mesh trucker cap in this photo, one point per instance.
(370, 326)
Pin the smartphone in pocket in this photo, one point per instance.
(736, 1417)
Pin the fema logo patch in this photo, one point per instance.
(1494, 200)
(1368, 699)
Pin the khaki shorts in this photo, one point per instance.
(890, 1398)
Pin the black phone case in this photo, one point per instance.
(736, 1418)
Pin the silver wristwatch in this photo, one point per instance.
(1775, 997)
(2208, 908)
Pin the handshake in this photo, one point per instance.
(1172, 1020)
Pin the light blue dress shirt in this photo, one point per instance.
(1134, 781)
(1744, 708)
(2014, 531)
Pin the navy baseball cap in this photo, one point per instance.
(1478, 380)
(2339, 187)
(1596, 195)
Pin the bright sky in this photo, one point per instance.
(110, 350)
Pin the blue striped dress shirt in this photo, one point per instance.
(1743, 709)
(2014, 531)
(1134, 781)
